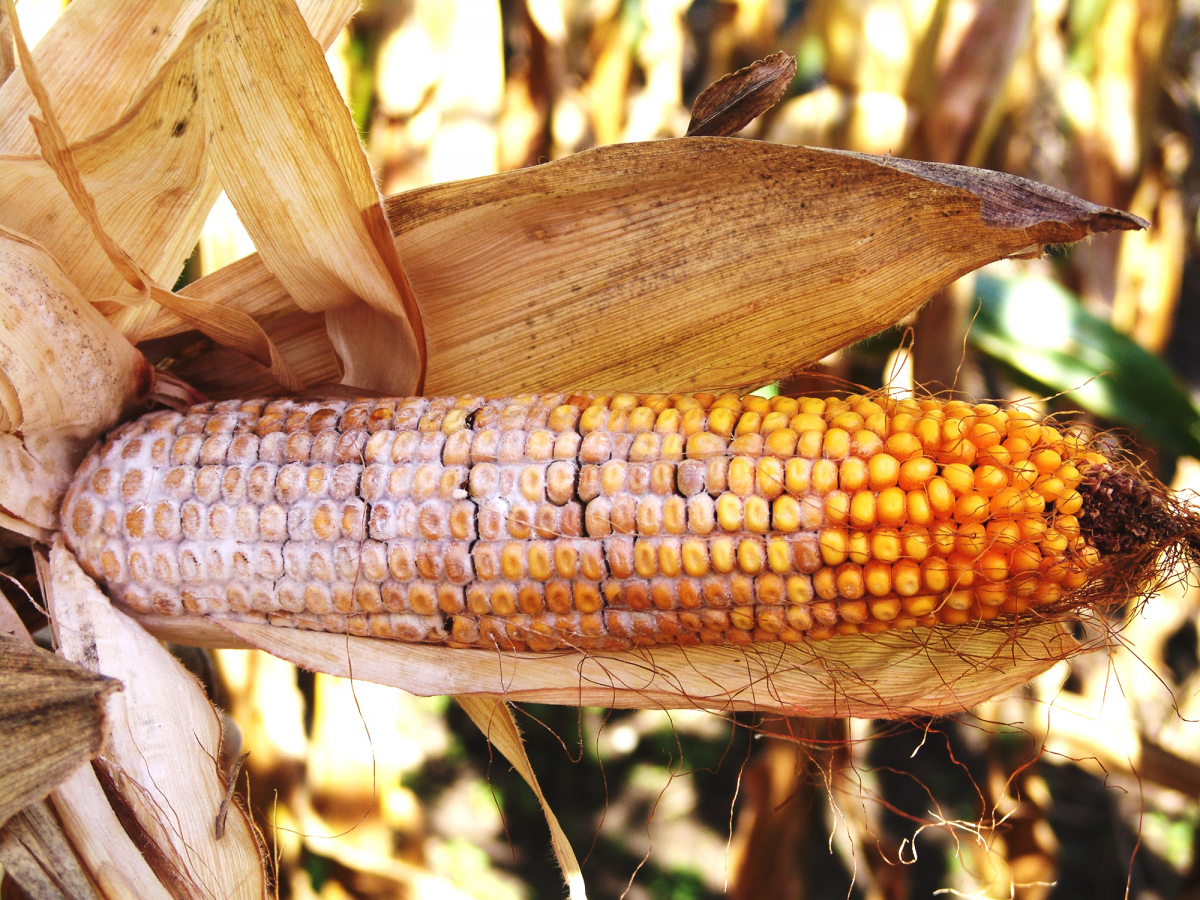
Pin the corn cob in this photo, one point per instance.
(598, 522)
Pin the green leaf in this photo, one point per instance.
(1039, 329)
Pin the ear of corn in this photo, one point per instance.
(598, 522)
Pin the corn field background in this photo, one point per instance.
(1083, 784)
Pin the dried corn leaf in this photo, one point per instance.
(152, 184)
(150, 178)
(97, 56)
(228, 327)
(728, 105)
(65, 376)
(36, 853)
(162, 760)
(695, 263)
(495, 720)
(289, 157)
(883, 676)
(301, 337)
(52, 718)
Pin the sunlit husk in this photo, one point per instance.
(149, 174)
(162, 757)
(287, 153)
(880, 676)
(572, 273)
(130, 109)
(96, 57)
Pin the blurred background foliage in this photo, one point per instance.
(1084, 784)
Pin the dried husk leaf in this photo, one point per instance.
(301, 337)
(150, 185)
(52, 718)
(731, 103)
(65, 376)
(229, 327)
(937, 672)
(578, 273)
(289, 157)
(150, 178)
(97, 56)
(581, 271)
(495, 720)
(165, 743)
(36, 853)
(105, 850)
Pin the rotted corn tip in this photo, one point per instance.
(1122, 513)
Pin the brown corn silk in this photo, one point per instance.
(596, 522)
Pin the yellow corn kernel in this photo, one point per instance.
(877, 578)
(971, 539)
(944, 536)
(915, 473)
(770, 477)
(883, 471)
(859, 548)
(797, 478)
(836, 444)
(971, 508)
(852, 475)
(834, 544)
(941, 497)
(729, 512)
(862, 510)
(848, 579)
(904, 446)
(824, 476)
(757, 514)
(748, 423)
(750, 556)
(917, 508)
(837, 508)
(915, 542)
(721, 421)
(886, 544)
(906, 577)
(782, 442)
(779, 556)
(724, 558)
(960, 477)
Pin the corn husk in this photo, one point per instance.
(576, 274)
(288, 155)
(886, 676)
(54, 720)
(101, 843)
(165, 743)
